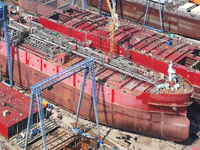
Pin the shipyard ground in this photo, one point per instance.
(112, 138)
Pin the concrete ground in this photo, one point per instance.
(7, 144)
(112, 138)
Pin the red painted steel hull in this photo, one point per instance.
(172, 22)
(161, 66)
(136, 111)
(100, 40)
(158, 121)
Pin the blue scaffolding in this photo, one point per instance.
(36, 95)
(3, 19)
(160, 13)
(83, 4)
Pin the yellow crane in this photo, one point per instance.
(114, 23)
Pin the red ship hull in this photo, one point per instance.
(136, 55)
(138, 110)
(100, 40)
(172, 22)
(129, 114)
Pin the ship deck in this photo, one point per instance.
(124, 87)
(128, 37)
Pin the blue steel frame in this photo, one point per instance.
(160, 13)
(36, 95)
(3, 21)
(83, 4)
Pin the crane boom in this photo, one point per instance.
(114, 7)
(114, 23)
(110, 8)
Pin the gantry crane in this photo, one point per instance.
(3, 20)
(114, 23)
(160, 14)
(36, 95)
(101, 4)
(83, 4)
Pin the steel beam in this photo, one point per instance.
(36, 91)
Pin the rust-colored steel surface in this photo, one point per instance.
(37, 7)
(124, 101)
(172, 22)
(130, 40)
(29, 5)
(161, 124)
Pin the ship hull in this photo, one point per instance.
(172, 22)
(173, 126)
(104, 44)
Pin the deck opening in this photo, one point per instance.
(190, 62)
(59, 17)
(196, 53)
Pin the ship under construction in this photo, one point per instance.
(132, 94)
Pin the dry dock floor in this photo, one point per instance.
(109, 136)
(112, 138)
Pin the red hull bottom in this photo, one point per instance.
(165, 125)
